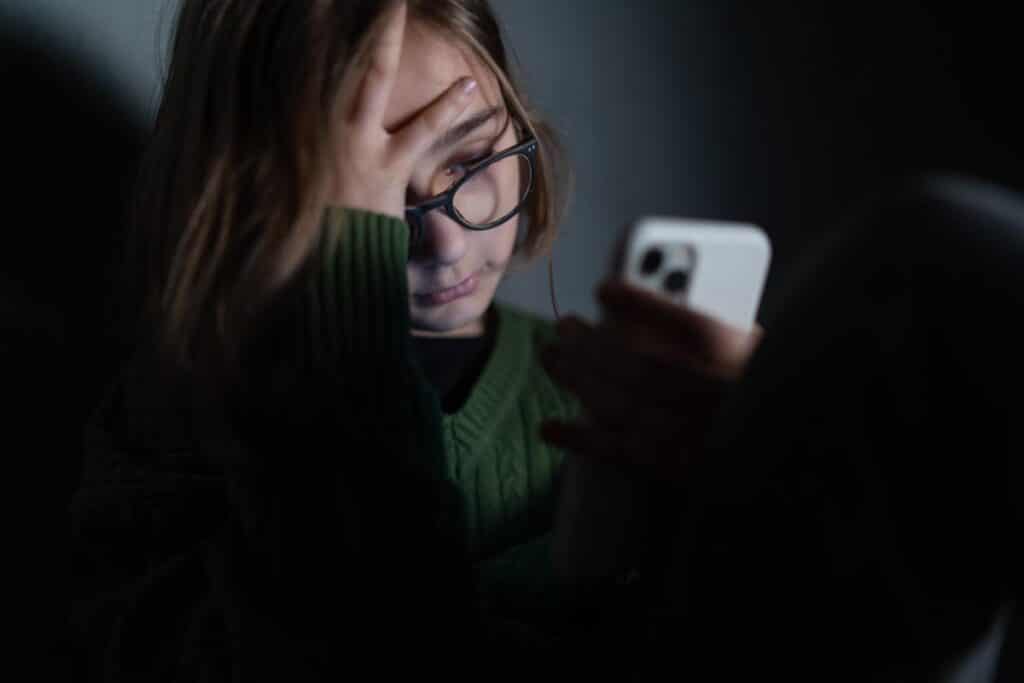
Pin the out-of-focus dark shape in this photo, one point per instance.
(835, 100)
(861, 514)
(70, 151)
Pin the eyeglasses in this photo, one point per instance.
(484, 197)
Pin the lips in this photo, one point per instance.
(449, 294)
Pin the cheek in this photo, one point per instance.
(498, 244)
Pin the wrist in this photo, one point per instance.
(385, 203)
(368, 208)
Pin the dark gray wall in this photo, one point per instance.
(121, 39)
(785, 114)
(635, 90)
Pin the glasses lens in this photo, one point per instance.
(495, 191)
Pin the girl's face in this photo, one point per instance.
(453, 272)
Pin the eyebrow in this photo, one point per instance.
(456, 133)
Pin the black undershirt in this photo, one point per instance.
(452, 365)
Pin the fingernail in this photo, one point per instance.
(468, 86)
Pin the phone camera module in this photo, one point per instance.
(676, 281)
(652, 261)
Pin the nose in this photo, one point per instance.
(442, 242)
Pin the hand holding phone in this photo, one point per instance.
(714, 270)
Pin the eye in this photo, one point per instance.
(458, 169)
(453, 171)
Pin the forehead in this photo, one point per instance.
(430, 63)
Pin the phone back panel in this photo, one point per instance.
(715, 267)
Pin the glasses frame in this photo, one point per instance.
(446, 200)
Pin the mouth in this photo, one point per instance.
(441, 297)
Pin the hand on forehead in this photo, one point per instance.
(430, 63)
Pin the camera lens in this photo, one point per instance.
(676, 281)
(652, 261)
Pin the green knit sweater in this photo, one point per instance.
(494, 454)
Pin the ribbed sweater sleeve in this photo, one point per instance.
(358, 290)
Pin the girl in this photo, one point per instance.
(329, 439)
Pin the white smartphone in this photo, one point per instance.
(715, 267)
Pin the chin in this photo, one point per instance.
(450, 317)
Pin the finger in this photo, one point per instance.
(756, 335)
(600, 396)
(385, 57)
(638, 372)
(633, 305)
(416, 137)
(655, 424)
(655, 342)
(707, 339)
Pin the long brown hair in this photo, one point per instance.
(231, 195)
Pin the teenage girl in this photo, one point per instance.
(328, 442)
